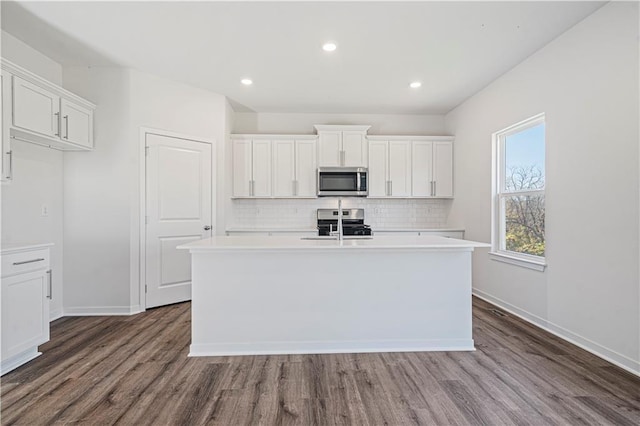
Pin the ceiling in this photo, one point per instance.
(454, 48)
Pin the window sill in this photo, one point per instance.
(535, 264)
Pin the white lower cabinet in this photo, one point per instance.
(26, 291)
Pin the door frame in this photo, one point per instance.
(142, 241)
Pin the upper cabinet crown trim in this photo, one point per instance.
(409, 137)
(45, 84)
(341, 127)
(270, 137)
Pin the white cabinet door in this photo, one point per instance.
(378, 169)
(284, 168)
(35, 109)
(306, 168)
(329, 148)
(421, 166)
(400, 168)
(5, 121)
(261, 168)
(354, 149)
(25, 312)
(242, 168)
(443, 169)
(76, 124)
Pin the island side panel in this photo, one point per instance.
(298, 301)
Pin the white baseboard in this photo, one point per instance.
(88, 311)
(54, 315)
(297, 347)
(600, 351)
(16, 361)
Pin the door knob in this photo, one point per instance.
(207, 228)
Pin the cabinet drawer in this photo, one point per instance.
(25, 261)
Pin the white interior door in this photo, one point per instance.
(178, 210)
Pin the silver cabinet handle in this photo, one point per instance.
(10, 172)
(66, 121)
(386, 192)
(342, 158)
(24, 262)
(390, 187)
(297, 187)
(435, 188)
(57, 114)
(207, 227)
(50, 290)
(293, 187)
(431, 188)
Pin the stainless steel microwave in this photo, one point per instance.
(343, 182)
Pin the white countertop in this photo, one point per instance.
(284, 230)
(297, 243)
(13, 247)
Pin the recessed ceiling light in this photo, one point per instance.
(246, 81)
(329, 47)
(415, 84)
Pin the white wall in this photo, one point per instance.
(102, 223)
(385, 124)
(586, 81)
(27, 57)
(97, 211)
(37, 179)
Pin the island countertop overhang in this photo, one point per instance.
(231, 243)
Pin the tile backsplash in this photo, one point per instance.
(301, 213)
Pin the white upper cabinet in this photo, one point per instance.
(400, 168)
(251, 168)
(443, 169)
(342, 145)
(390, 168)
(330, 148)
(422, 169)
(43, 113)
(76, 124)
(432, 164)
(284, 170)
(306, 168)
(294, 168)
(35, 109)
(261, 168)
(274, 166)
(242, 175)
(378, 168)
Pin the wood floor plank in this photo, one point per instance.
(135, 371)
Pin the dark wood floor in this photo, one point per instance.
(135, 371)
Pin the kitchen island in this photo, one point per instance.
(286, 295)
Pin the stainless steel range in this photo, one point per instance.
(352, 222)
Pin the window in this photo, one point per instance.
(519, 210)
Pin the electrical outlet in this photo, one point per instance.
(45, 210)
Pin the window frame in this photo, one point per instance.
(499, 195)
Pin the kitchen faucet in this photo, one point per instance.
(340, 234)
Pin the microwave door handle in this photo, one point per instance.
(358, 182)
